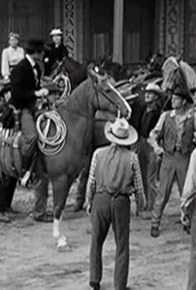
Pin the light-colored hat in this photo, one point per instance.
(56, 31)
(14, 34)
(152, 87)
(120, 132)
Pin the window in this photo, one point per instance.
(190, 31)
(139, 18)
(102, 27)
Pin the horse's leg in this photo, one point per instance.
(61, 186)
(81, 189)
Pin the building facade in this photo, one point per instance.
(129, 30)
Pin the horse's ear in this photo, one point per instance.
(179, 58)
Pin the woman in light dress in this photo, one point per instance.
(11, 55)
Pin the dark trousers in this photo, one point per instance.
(41, 198)
(192, 264)
(149, 168)
(173, 166)
(107, 210)
(7, 189)
(29, 134)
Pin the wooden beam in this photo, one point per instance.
(118, 31)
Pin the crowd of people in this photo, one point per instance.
(166, 141)
(23, 69)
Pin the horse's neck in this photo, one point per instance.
(80, 100)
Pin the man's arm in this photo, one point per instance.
(20, 94)
(155, 134)
(189, 190)
(5, 64)
(137, 181)
(91, 184)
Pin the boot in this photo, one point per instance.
(155, 232)
(95, 285)
(4, 218)
(78, 206)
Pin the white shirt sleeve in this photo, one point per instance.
(5, 63)
(155, 133)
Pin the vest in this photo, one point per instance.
(113, 170)
(169, 134)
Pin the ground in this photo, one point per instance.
(29, 258)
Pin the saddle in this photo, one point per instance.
(10, 156)
(11, 159)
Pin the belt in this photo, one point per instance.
(177, 149)
(113, 194)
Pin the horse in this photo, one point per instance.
(78, 113)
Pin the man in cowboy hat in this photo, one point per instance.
(25, 90)
(55, 51)
(147, 158)
(175, 130)
(114, 175)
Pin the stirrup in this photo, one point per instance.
(30, 180)
(24, 180)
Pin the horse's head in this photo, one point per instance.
(107, 97)
(156, 62)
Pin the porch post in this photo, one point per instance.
(118, 31)
(57, 13)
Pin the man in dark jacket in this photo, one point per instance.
(25, 89)
(55, 51)
(147, 157)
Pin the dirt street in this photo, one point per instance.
(29, 259)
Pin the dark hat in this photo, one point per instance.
(35, 45)
(193, 90)
(183, 93)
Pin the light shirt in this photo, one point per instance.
(180, 122)
(10, 58)
(137, 187)
(189, 189)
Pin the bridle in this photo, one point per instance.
(99, 89)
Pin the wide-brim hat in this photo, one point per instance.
(14, 34)
(35, 45)
(56, 31)
(193, 90)
(120, 132)
(183, 93)
(154, 88)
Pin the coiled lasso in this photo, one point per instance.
(51, 145)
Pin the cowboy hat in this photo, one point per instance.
(56, 31)
(152, 87)
(34, 44)
(13, 34)
(193, 90)
(183, 93)
(120, 132)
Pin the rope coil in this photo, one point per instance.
(51, 145)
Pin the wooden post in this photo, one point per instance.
(118, 31)
(57, 13)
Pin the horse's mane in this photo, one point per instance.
(177, 73)
(80, 98)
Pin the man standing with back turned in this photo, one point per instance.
(114, 175)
